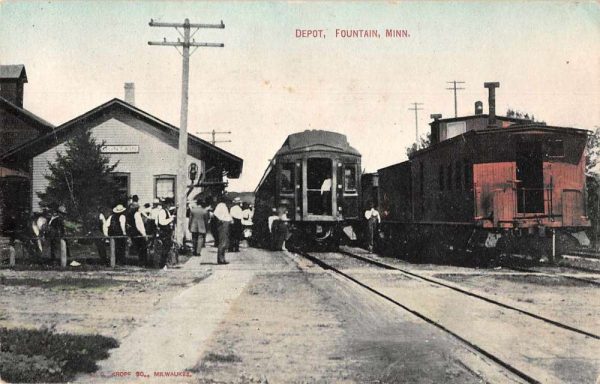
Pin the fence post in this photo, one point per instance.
(112, 252)
(63, 253)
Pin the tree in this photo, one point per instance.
(522, 115)
(81, 180)
(424, 142)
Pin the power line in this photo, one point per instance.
(214, 133)
(185, 52)
(416, 109)
(454, 88)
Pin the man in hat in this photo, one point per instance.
(115, 225)
(164, 220)
(56, 231)
(236, 226)
(198, 225)
(223, 220)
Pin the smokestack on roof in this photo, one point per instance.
(12, 78)
(130, 93)
(492, 102)
(436, 116)
(478, 108)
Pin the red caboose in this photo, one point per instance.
(487, 181)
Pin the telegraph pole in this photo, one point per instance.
(454, 88)
(416, 109)
(183, 135)
(214, 133)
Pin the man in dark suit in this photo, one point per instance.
(198, 225)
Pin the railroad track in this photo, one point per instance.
(522, 375)
(469, 293)
(491, 356)
(543, 273)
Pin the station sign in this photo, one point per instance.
(120, 149)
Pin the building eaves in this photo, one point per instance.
(23, 112)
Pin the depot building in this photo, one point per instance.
(143, 147)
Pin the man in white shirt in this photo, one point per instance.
(326, 196)
(373, 220)
(223, 221)
(137, 233)
(165, 231)
(115, 225)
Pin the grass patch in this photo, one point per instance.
(28, 356)
(61, 283)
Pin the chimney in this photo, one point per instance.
(12, 78)
(492, 102)
(478, 108)
(435, 128)
(130, 93)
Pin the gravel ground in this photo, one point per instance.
(97, 302)
(311, 328)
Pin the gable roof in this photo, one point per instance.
(14, 71)
(32, 118)
(196, 146)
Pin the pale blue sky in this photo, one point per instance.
(266, 84)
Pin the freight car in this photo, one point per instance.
(486, 185)
(315, 175)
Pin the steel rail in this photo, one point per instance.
(475, 295)
(475, 347)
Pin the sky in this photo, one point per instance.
(266, 83)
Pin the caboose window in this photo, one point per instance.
(457, 175)
(555, 148)
(441, 177)
(287, 178)
(350, 178)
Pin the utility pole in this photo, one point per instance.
(416, 108)
(214, 133)
(454, 88)
(183, 135)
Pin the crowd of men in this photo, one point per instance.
(141, 228)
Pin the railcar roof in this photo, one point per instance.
(314, 140)
(515, 128)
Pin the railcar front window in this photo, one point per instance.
(287, 178)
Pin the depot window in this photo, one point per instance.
(350, 178)
(164, 187)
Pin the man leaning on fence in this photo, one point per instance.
(116, 226)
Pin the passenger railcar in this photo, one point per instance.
(487, 183)
(315, 175)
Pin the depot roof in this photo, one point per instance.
(197, 147)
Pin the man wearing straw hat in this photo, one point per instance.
(115, 226)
